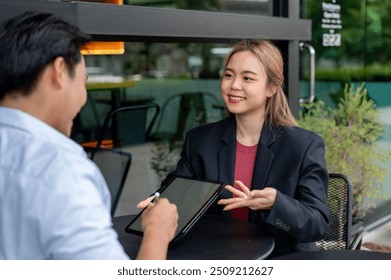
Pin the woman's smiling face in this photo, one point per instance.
(244, 86)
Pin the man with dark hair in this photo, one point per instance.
(54, 202)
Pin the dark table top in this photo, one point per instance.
(337, 255)
(212, 238)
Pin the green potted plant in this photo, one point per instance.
(166, 154)
(351, 132)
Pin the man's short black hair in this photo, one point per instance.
(31, 41)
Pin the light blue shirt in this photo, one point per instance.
(54, 202)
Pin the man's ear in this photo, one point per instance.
(59, 72)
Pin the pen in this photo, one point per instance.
(157, 195)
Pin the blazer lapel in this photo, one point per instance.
(264, 158)
(227, 152)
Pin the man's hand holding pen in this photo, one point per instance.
(153, 199)
(159, 221)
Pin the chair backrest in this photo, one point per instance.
(114, 165)
(183, 111)
(129, 125)
(339, 201)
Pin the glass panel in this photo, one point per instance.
(352, 43)
(173, 75)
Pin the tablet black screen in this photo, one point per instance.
(192, 198)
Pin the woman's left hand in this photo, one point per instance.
(255, 199)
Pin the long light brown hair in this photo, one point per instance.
(277, 111)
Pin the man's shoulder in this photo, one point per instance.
(46, 161)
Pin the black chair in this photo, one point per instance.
(339, 201)
(87, 123)
(114, 165)
(183, 111)
(127, 125)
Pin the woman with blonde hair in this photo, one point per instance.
(275, 171)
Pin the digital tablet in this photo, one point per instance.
(192, 198)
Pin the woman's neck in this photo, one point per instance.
(248, 129)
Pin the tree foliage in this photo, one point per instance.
(351, 132)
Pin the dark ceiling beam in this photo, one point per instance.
(107, 22)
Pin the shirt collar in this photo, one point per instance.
(18, 119)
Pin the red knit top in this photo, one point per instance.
(244, 168)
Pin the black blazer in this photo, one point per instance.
(289, 159)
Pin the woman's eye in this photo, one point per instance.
(248, 79)
(227, 75)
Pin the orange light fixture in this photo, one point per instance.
(102, 48)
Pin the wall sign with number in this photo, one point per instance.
(331, 24)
